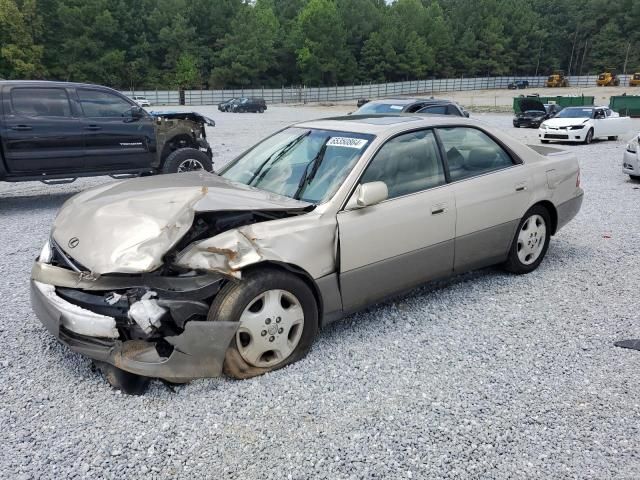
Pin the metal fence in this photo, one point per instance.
(304, 94)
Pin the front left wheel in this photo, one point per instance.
(531, 241)
(277, 315)
(187, 160)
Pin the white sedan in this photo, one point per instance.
(583, 124)
(631, 159)
(141, 101)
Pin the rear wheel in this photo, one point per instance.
(278, 321)
(531, 241)
(544, 141)
(615, 137)
(261, 110)
(187, 160)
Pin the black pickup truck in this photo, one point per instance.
(57, 131)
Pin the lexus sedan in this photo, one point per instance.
(194, 275)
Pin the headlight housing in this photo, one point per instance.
(46, 254)
(543, 125)
(576, 127)
(632, 146)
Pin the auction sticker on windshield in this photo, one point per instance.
(347, 142)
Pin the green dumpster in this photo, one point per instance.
(626, 105)
(563, 101)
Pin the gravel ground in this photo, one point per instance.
(487, 375)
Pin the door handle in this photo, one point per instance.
(438, 209)
(93, 127)
(521, 187)
(21, 128)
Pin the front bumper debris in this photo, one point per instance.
(197, 352)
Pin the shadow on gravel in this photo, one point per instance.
(27, 203)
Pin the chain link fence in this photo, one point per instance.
(304, 94)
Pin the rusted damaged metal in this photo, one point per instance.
(294, 240)
(127, 227)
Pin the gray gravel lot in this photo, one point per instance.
(487, 375)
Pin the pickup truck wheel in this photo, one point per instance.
(187, 160)
(589, 138)
(278, 321)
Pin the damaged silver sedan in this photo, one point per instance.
(192, 275)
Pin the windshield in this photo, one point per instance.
(373, 107)
(302, 163)
(575, 113)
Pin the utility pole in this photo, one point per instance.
(584, 54)
(538, 62)
(575, 37)
(626, 59)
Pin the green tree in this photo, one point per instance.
(320, 38)
(20, 56)
(247, 53)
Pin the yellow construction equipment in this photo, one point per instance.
(634, 81)
(608, 78)
(557, 79)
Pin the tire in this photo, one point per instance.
(635, 177)
(615, 137)
(119, 379)
(187, 160)
(261, 110)
(589, 138)
(530, 243)
(249, 353)
(544, 141)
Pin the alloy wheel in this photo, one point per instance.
(531, 239)
(190, 165)
(270, 328)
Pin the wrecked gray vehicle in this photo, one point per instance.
(186, 276)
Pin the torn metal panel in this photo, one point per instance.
(305, 241)
(127, 227)
(198, 353)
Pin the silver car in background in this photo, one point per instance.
(191, 275)
(631, 159)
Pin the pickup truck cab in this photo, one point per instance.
(583, 124)
(56, 132)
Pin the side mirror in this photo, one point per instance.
(370, 193)
(137, 112)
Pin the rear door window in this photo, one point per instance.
(40, 102)
(96, 103)
(471, 152)
(435, 109)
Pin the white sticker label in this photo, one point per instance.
(396, 107)
(346, 142)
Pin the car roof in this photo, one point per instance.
(407, 101)
(50, 83)
(377, 124)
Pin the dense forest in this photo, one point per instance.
(231, 43)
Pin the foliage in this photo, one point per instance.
(241, 43)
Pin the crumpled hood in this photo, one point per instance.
(128, 226)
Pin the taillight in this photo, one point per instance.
(578, 179)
